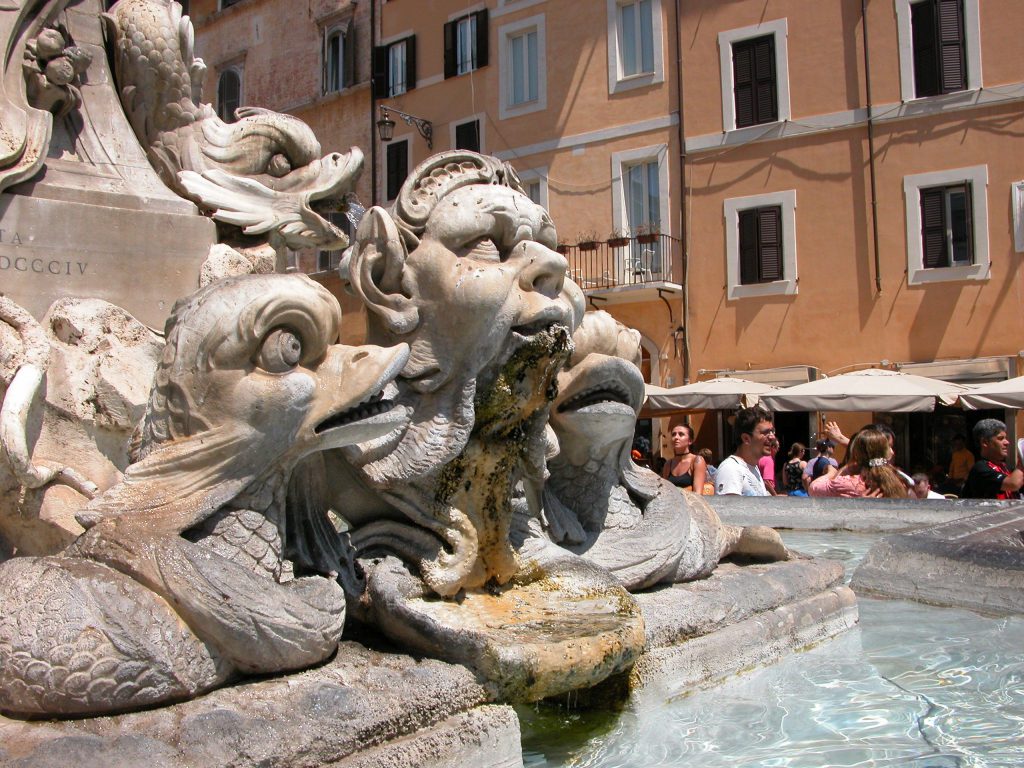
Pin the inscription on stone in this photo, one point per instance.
(43, 266)
(54, 267)
(10, 237)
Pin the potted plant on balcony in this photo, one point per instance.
(618, 239)
(562, 248)
(587, 241)
(648, 233)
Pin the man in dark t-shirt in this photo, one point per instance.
(990, 478)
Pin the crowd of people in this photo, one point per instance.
(866, 471)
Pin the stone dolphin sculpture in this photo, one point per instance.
(599, 504)
(193, 570)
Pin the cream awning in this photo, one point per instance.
(873, 389)
(723, 393)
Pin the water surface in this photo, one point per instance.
(912, 685)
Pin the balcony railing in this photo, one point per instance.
(626, 261)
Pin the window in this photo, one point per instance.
(394, 68)
(338, 58)
(940, 47)
(640, 207)
(228, 3)
(755, 75)
(1017, 202)
(634, 44)
(947, 225)
(467, 135)
(940, 66)
(643, 212)
(760, 245)
(465, 44)
(522, 68)
(533, 190)
(229, 94)
(397, 167)
(636, 37)
(535, 182)
(327, 261)
(754, 88)
(523, 82)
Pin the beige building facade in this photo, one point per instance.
(841, 189)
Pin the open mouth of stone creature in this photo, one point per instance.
(544, 321)
(376, 410)
(599, 394)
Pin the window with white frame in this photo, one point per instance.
(523, 87)
(327, 261)
(394, 67)
(229, 93)
(338, 58)
(635, 56)
(760, 245)
(1017, 201)
(535, 182)
(640, 208)
(947, 225)
(939, 46)
(522, 68)
(754, 64)
(636, 37)
(465, 44)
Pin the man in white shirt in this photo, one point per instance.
(737, 475)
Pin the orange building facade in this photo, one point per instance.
(841, 188)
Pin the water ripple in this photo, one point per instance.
(912, 686)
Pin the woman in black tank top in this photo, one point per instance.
(685, 470)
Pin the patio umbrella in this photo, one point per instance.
(724, 393)
(996, 394)
(873, 389)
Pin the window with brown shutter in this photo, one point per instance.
(397, 167)
(940, 51)
(946, 227)
(755, 90)
(760, 245)
(387, 81)
(465, 44)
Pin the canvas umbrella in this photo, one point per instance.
(872, 389)
(723, 393)
(1008, 393)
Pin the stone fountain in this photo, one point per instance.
(240, 542)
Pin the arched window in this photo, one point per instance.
(229, 94)
(645, 364)
(334, 61)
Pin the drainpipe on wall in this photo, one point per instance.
(373, 105)
(684, 234)
(871, 147)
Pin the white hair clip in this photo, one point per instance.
(877, 462)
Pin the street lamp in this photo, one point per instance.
(386, 126)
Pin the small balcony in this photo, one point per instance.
(625, 263)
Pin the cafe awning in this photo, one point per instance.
(872, 389)
(725, 392)
(1008, 393)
